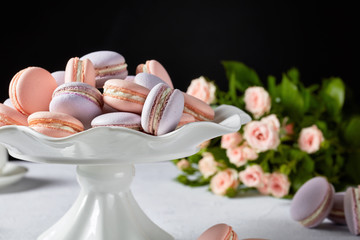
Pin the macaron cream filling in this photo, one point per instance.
(111, 70)
(196, 115)
(77, 91)
(5, 120)
(307, 221)
(48, 123)
(156, 112)
(356, 194)
(79, 71)
(124, 94)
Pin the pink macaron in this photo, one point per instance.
(352, 209)
(337, 214)
(313, 202)
(80, 71)
(147, 80)
(31, 89)
(162, 110)
(55, 124)
(219, 231)
(9, 116)
(108, 65)
(185, 119)
(118, 119)
(124, 95)
(155, 68)
(79, 100)
(198, 108)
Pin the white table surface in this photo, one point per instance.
(32, 205)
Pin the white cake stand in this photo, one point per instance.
(105, 156)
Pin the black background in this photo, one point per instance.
(189, 38)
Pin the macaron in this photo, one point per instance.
(198, 108)
(9, 116)
(124, 95)
(162, 110)
(352, 209)
(118, 119)
(31, 89)
(80, 71)
(8, 103)
(59, 77)
(185, 119)
(219, 231)
(108, 65)
(313, 202)
(54, 124)
(79, 100)
(155, 68)
(130, 78)
(147, 80)
(337, 214)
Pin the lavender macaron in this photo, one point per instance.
(147, 80)
(79, 100)
(162, 110)
(352, 209)
(108, 65)
(118, 119)
(313, 202)
(337, 214)
(59, 77)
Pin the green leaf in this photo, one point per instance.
(352, 132)
(333, 93)
(240, 77)
(353, 167)
(291, 98)
(271, 83)
(230, 192)
(294, 75)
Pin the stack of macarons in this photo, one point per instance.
(317, 200)
(96, 90)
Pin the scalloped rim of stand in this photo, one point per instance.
(117, 145)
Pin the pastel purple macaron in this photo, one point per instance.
(313, 202)
(118, 119)
(162, 110)
(147, 80)
(352, 209)
(337, 214)
(79, 100)
(59, 77)
(108, 65)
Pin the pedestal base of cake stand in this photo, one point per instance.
(105, 209)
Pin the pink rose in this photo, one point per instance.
(202, 89)
(289, 128)
(249, 153)
(207, 165)
(224, 180)
(257, 101)
(310, 139)
(231, 140)
(204, 144)
(279, 185)
(252, 176)
(264, 187)
(183, 164)
(273, 121)
(240, 155)
(261, 136)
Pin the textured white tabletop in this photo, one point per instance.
(32, 205)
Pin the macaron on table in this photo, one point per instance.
(105, 155)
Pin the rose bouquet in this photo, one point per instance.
(297, 132)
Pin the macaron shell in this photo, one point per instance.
(351, 211)
(337, 214)
(185, 119)
(9, 116)
(147, 80)
(309, 198)
(88, 71)
(218, 232)
(8, 103)
(172, 113)
(154, 67)
(31, 90)
(198, 108)
(122, 119)
(59, 77)
(44, 117)
(123, 103)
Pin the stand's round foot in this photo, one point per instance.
(105, 209)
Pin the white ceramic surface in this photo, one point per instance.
(11, 173)
(3, 157)
(105, 208)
